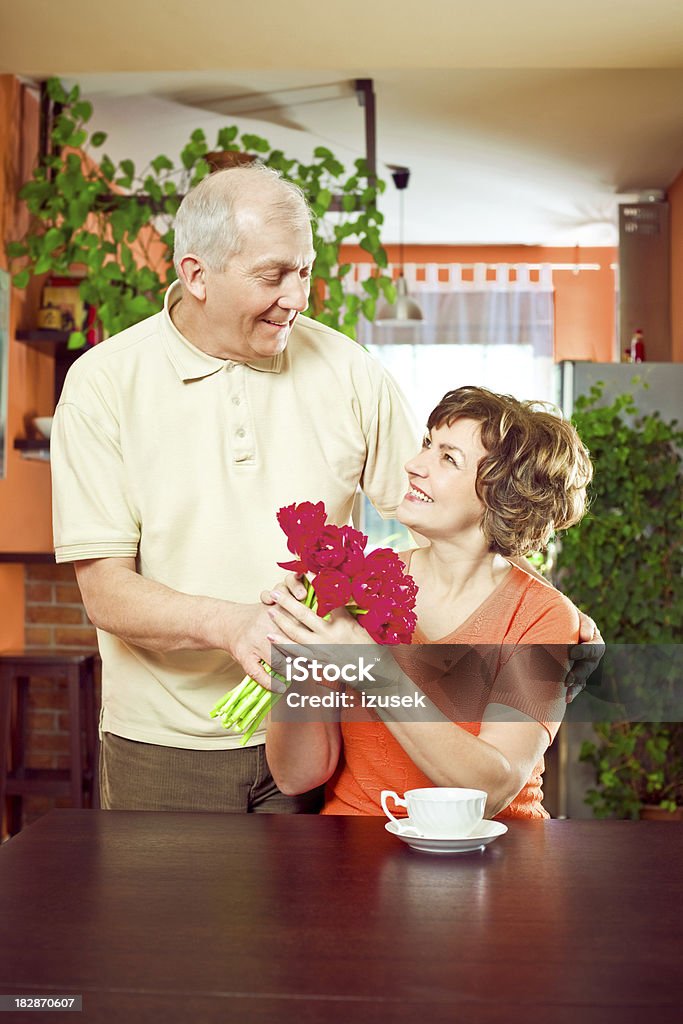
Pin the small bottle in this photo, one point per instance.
(637, 350)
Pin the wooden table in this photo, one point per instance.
(167, 918)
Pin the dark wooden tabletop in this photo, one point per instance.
(167, 917)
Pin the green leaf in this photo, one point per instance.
(52, 240)
(119, 225)
(77, 212)
(21, 279)
(107, 167)
(254, 143)
(201, 170)
(126, 257)
(128, 168)
(162, 163)
(76, 340)
(77, 138)
(226, 136)
(62, 129)
(368, 307)
(56, 91)
(16, 249)
(112, 272)
(82, 110)
(322, 201)
(152, 187)
(188, 155)
(141, 305)
(98, 138)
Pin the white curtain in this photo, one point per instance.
(483, 324)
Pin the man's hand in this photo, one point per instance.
(248, 643)
(585, 656)
(157, 618)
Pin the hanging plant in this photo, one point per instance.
(114, 223)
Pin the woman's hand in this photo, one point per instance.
(291, 584)
(300, 625)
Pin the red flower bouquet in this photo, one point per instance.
(374, 587)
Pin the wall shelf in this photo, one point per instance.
(38, 444)
(30, 448)
(42, 337)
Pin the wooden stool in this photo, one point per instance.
(18, 781)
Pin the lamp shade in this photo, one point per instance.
(403, 310)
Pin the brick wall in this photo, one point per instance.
(56, 618)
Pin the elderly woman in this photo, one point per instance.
(495, 477)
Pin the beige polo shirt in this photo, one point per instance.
(163, 452)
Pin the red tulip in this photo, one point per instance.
(332, 589)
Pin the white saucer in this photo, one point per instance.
(480, 837)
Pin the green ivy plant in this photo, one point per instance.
(636, 764)
(105, 220)
(624, 564)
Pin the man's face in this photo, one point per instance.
(252, 304)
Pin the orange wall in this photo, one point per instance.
(25, 488)
(675, 193)
(584, 302)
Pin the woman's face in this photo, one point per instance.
(442, 501)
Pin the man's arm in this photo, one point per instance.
(122, 602)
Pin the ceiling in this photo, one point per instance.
(518, 126)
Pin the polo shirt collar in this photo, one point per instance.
(189, 362)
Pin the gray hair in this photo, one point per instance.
(206, 223)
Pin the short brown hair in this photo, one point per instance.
(533, 479)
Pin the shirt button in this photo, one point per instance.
(236, 400)
(241, 432)
(229, 367)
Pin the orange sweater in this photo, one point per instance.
(521, 611)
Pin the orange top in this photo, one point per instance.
(522, 610)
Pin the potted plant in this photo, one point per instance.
(115, 223)
(624, 564)
(638, 769)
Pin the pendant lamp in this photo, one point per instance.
(404, 309)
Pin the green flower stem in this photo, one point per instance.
(249, 698)
(272, 701)
(258, 712)
(228, 699)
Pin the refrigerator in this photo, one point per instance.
(566, 778)
(663, 391)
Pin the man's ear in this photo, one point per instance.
(192, 277)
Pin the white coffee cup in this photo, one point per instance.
(438, 811)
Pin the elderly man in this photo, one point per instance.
(174, 445)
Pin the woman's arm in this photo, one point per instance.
(499, 760)
(302, 755)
